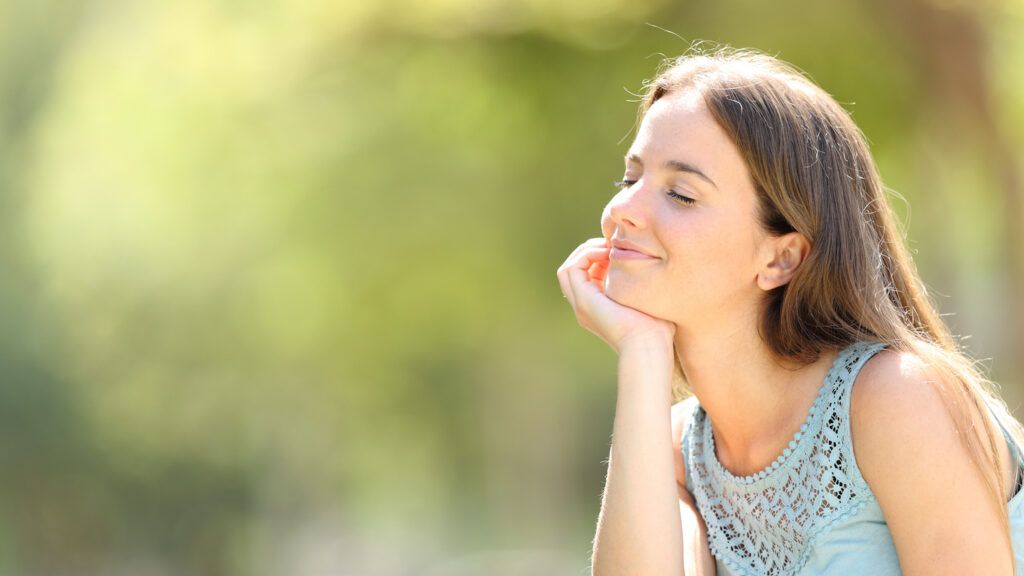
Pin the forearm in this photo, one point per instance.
(639, 530)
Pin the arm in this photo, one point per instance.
(935, 501)
(639, 531)
(645, 513)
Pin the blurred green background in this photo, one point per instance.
(277, 279)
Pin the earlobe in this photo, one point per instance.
(789, 253)
(776, 274)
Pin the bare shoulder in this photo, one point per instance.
(897, 406)
(895, 388)
(682, 412)
(907, 447)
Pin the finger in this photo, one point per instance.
(580, 270)
(584, 259)
(598, 272)
(565, 286)
(586, 244)
(590, 256)
(582, 288)
(563, 279)
(601, 264)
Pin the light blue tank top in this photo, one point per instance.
(810, 511)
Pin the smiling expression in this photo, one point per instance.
(688, 199)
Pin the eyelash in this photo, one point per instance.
(623, 184)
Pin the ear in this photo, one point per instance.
(782, 256)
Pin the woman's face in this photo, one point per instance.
(706, 253)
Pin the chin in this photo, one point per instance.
(622, 291)
(627, 292)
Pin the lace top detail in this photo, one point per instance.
(766, 523)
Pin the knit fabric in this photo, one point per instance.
(810, 511)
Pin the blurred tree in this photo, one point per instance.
(278, 288)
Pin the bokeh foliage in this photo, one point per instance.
(278, 283)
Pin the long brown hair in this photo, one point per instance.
(813, 174)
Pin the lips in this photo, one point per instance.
(626, 247)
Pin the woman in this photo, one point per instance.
(751, 260)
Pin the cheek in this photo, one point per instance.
(712, 252)
(728, 257)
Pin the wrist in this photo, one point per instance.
(651, 342)
(653, 352)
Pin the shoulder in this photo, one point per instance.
(682, 413)
(684, 409)
(899, 419)
(907, 446)
(896, 388)
(898, 403)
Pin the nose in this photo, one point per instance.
(627, 210)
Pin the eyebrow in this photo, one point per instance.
(678, 166)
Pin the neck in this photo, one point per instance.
(755, 401)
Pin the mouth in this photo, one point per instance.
(626, 254)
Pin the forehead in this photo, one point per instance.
(678, 111)
(680, 127)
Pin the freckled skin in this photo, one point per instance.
(709, 251)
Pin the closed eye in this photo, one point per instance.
(623, 184)
(684, 199)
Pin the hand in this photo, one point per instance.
(581, 278)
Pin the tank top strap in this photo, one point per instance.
(1015, 450)
(859, 354)
(853, 364)
(684, 442)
